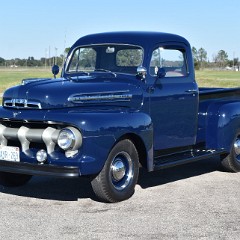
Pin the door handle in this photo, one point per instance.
(191, 91)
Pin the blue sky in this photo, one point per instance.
(29, 28)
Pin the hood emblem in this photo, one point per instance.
(95, 97)
(21, 103)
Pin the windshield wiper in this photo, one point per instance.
(105, 70)
(82, 72)
(73, 77)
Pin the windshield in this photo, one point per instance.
(106, 58)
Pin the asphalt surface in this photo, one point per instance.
(195, 201)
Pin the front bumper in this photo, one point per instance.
(39, 169)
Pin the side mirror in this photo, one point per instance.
(55, 70)
(161, 73)
(141, 72)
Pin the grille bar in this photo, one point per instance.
(25, 136)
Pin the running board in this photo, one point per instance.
(162, 162)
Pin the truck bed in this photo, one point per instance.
(210, 93)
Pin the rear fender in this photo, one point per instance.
(222, 123)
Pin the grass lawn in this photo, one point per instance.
(206, 78)
(227, 79)
(12, 77)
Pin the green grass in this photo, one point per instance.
(226, 79)
(12, 77)
(206, 78)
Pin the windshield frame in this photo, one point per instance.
(69, 57)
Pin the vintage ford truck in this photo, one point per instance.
(124, 100)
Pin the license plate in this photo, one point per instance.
(9, 154)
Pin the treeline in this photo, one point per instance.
(200, 56)
(31, 62)
(220, 60)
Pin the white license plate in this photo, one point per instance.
(9, 153)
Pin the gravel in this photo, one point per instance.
(194, 201)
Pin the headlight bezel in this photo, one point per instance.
(69, 138)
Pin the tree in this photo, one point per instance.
(234, 63)
(129, 57)
(202, 56)
(195, 55)
(2, 61)
(199, 57)
(31, 62)
(66, 51)
(222, 58)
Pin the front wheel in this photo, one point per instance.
(232, 161)
(13, 179)
(117, 180)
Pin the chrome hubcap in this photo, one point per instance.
(121, 170)
(237, 147)
(118, 170)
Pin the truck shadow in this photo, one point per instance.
(74, 189)
(164, 176)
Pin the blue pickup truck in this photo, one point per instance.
(124, 100)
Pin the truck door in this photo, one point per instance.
(174, 98)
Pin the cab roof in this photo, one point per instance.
(136, 38)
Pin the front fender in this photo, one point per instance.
(222, 124)
(101, 130)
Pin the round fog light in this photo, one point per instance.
(41, 156)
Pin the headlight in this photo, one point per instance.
(69, 139)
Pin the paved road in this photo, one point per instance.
(195, 201)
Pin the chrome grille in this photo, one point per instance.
(22, 103)
(25, 136)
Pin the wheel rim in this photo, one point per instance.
(121, 170)
(237, 148)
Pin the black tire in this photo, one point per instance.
(13, 179)
(117, 179)
(231, 162)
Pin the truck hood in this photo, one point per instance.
(75, 92)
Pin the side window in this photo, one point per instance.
(172, 60)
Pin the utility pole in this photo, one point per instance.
(64, 47)
(49, 56)
(55, 56)
(45, 58)
(233, 61)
